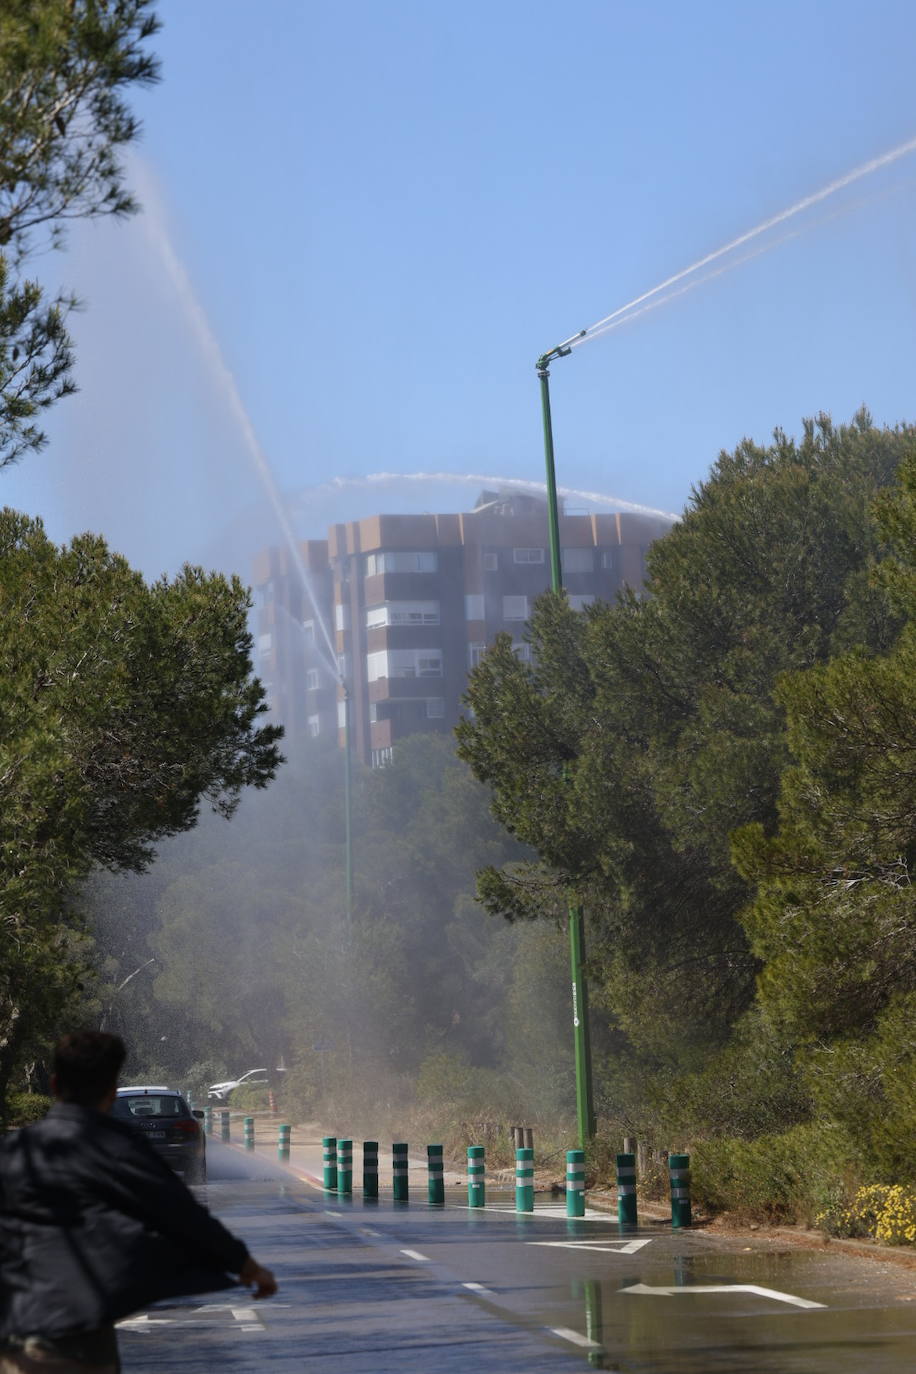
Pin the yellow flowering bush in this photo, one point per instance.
(886, 1212)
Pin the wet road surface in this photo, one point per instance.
(387, 1287)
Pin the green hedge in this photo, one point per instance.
(791, 1177)
(23, 1108)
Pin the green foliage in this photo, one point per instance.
(750, 1087)
(883, 1213)
(248, 1097)
(301, 1086)
(24, 1108)
(197, 1079)
(790, 1177)
(643, 733)
(834, 918)
(123, 706)
(64, 68)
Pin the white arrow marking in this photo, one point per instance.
(567, 1334)
(415, 1255)
(479, 1288)
(615, 1247)
(144, 1323)
(726, 1288)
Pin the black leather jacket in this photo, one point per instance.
(94, 1225)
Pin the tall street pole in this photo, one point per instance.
(585, 1112)
(348, 807)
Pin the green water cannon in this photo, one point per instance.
(562, 350)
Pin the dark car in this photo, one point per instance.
(168, 1123)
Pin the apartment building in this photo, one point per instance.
(411, 602)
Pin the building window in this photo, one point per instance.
(475, 607)
(579, 603)
(392, 663)
(311, 680)
(314, 724)
(343, 666)
(380, 758)
(403, 613)
(610, 558)
(475, 654)
(376, 665)
(308, 629)
(395, 562)
(265, 644)
(491, 562)
(522, 652)
(373, 713)
(528, 555)
(341, 616)
(435, 708)
(342, 715)
(578, 560)
(515, 608)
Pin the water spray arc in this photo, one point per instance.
(585, 1111)
(626, 312)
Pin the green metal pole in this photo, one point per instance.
(585, 1114)
(553, 508)
(348, 806)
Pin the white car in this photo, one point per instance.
(256, 1077)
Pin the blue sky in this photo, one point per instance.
(388, 211)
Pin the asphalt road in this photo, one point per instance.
(387, 1288)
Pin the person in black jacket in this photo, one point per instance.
(94, 1225)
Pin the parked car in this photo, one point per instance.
(163, 1116)
(255, 1077)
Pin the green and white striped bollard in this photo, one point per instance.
(626, 1190)
(370, 1168)
(208, 1120)
(477, 1187)
(224, 1126)
(329, 1162)
(436, 1180)
(524, 1180)
(344, 1168)
(283, 1142)
(248, 1132)
(400, 1185)
(679, 1172)
(575, 1183)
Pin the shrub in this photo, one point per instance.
(249, 1097)
(788, 1177)
(24, 1108)
(887, 1213)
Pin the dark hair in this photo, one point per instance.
(86, 1065)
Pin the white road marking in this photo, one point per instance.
(415, 1254)
(567, 1334)
(329, 1213)
(612, 1247)
(726, 1288)
(248, 1318)
(549, 1211)
(479, 1288)
(368, 1231)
